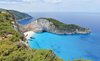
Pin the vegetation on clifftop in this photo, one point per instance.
(6, 28)
(10, 49)
(68, 27)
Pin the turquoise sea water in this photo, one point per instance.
(69, 47)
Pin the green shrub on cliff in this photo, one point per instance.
(11, 52)
(9, 44)
(6, 28)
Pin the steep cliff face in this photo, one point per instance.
(54, 26)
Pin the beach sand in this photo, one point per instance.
(29, 34)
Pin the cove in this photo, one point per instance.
(68, 47)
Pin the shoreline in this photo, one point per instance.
(27, 35)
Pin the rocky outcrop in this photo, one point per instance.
(53, 26)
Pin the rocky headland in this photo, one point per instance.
(53, 26)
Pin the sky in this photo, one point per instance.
(52, 5)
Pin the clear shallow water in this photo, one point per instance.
(71, 46)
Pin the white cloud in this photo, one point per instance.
(17, 0)
(53, 1)
(30, 0)
(26, 0)
(43, 1)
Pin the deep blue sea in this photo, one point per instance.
(26, 21)
(69, 47)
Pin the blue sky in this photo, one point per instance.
(52, 5)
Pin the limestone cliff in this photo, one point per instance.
(53, 26)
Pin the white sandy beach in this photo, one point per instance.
(29, 34)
